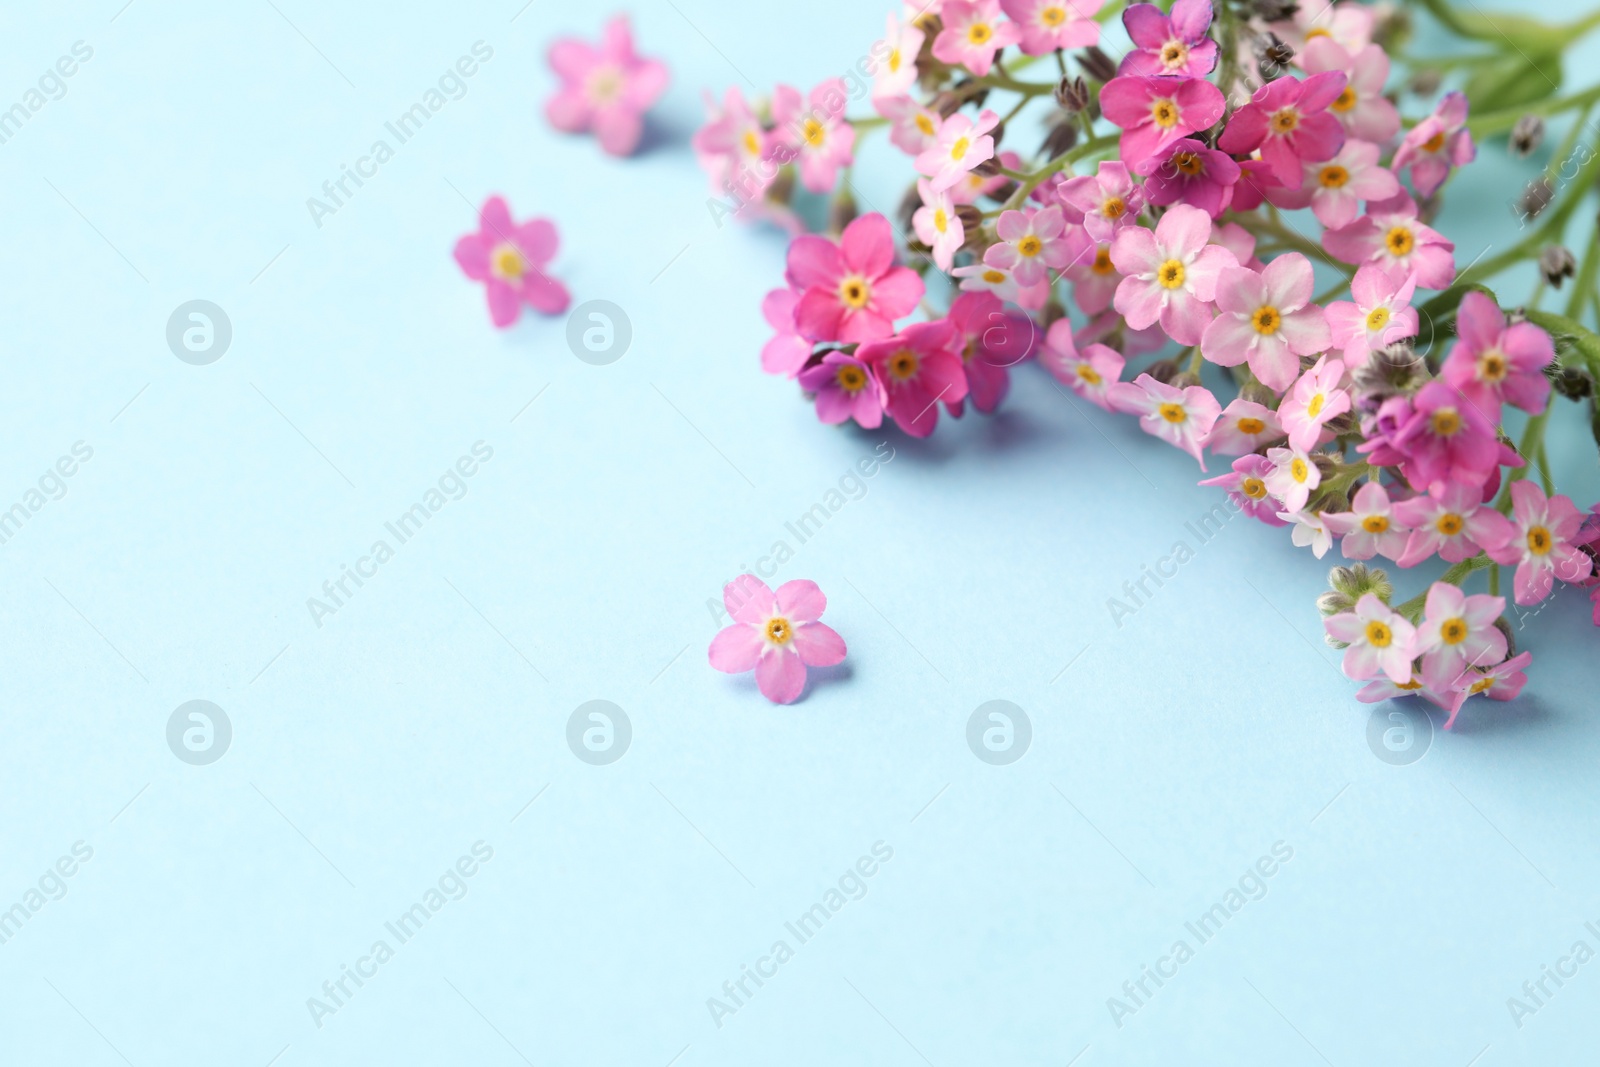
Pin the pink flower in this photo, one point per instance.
(817, 134)
(1362, 108)
(1108, 199)
(898, 73)
(1385, 689)
(937, 224)
(845, 389)
(1369, 528)
(1187, 172)
(775, 634)
(787, 352)
(1452, 520)
(1170, 275)
(1310, 531)
(913, 128)
(1501, 682)
(509, 260)
(1046, 25)
(852, 290)
(1288, 121)
(1180, 417)
(972, 34)
(1156, 111)
(1436, 144)
(985, 277)
(1293, 476)
(1380, 315)
(1094, 277)
(1245, 426)
(1247, 485)
(1390, 235)
(1315, 399)
(1335, 188)
(992, 342)
(1447, 438)
(1347, 24)
(975, 184)
(1175, 44)
(606, 89)
(1541, 545)
(962, 145)
(733, 148)
(1030, 241)
(1493, 362)
(918, 368)
(1458, 632)
(1380, 640)
(1267, 319)
(1090, 373)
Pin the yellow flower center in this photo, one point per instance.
(779, 631)
(958, 150)
(1030, 246)
(1434, 143)
(1449, 524)
(1053, 16)
(1409, 685)
(1266, 320)
(1346, 100)
(1318, 32)
(1299, 470)
(1400, 241)
(1102, 260)
(1453, 631)
(851, 378)
(855, 292)
(1187, 163)
(941, 220)
(752, 143)
(1333, 176)
(979, 33)
(1285, 120)
(1173, 412)
(1170, 274)
(903, 364)
(815, 133)
(1250, 426)
(994, 277)
(1113, 207)
(1375, 524)
(1480, 685)
(605, 85)
(1492, 365)
(1538, 540)
(1088, 374)
(1446, 422)
(1164, 113)
(1254, 488)
(925, 124)
(1379, 635)
(508, 263)
(894, 61)
(1377, 319)
(1314, 408)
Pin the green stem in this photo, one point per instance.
(1412, 609)
(1055, 166)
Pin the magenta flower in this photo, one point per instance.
(845, 389)
(777, 635)
(937, 224)
(852, 290)
(1390, 234)
(1046, 25)
(1030, 242)
(1493, 362)
(1247, 485)
(1288, 121)
(1180, 417)
(1362, 108)
(1156, 111)
(1436, 144)
(816, 135)
(1369, 528)
(1187, 172)
(1090, 373)
(1452, 520)
(1380, 315)
(509, 259)
(605, 89)
(919, 368)
(991, 341)
(912, 128)
(1109, 199)
(1380, 640)
(1170, 275)
(1293, 476)
(972, 34)
(1245, 426)
(1267, 319)
(1542, 543)
(1335, 188)
(1458, 632)
(1446, 439)
(962, 145)
(1313, 400)
(1501, 682)
(787, 352)
(1175, 44)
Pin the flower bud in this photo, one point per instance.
(1062, 136)
(1256, 393)
(909, 204)
(1504, 626)
(1556, 263)
(1184, 379)
(1274, 10)
(1096, 64)
(1392, 369)
(1073, 94)
(989, 168)
(1334, 603)
(1273, 56)
(1357, 580)
(842, 212)
(1526, 135)
(1535, 198)
(1163, 370)
(1573, 383)
(1425, 82)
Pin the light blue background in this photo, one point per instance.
(370, 753)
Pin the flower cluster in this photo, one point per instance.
(1189, 195)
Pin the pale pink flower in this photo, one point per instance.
(1391, 235)
(1294, 475)
(1180, 417)
(897, 74)
(1246, 485)
(1458, 632)
(987, 278)
(1380, 640)
(1452, 520)
(1267, 319)
(1347, 24)
(777, 635)
(1030, 242)
(1315, 399)
(733, 147)
(1109, 199)
(975, 184)
(973, 32)
(1335, 188)
(1384, 689)
(1362, 108)
(1541, 546)
(1094, 277)
(1369, 527)
(937, 224)
(1170, 275)
(1310, 531)
(509, 259)
(787, 352)
(1380, 315)
(606, 89)
(1047, 25)
(1501, 682)
(1245, 426)
(815, 132)
(913, 128)
(1436, 144)
(1090, 373)
(962, 144)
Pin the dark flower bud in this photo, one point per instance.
(1573, 383)
(908, 207)
(1256, 393)
(842, 212)
(1504, 626)
(1272, 56)
(1163, 370)
(1184, 379)
(989, 168)
(1073, 94)
(1556, 263)
(949, 102)
(1526, 135)
(1062, 136)
(1334, 603)
(1274, 10)
(1096, 64)
(1535, 198)
(971, 217)
(1425, 82)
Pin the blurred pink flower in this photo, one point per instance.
(1436, 144)
(973, 32)
(509, 260)
(813, 131)
(1047, 25)
(605, 89)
